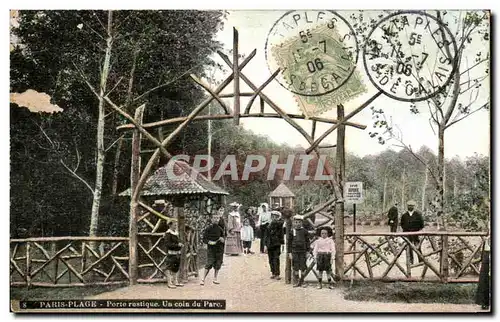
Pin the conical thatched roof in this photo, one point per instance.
(187, 181)
(282, 191)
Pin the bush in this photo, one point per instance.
(411, 292)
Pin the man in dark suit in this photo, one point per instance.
(273, 242)
(393, 218)
(412, 220)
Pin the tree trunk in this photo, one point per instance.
(181, 221)
(403, 188)
(455, 187)
(384, 197)
(209, 147)
(440, 185)
(221, 157)
(135, 174)
(339, 213)
(94, 217)
(128, 109)
(424, 188)
(116, 166)
(444, 183)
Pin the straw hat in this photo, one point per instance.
(275, 213)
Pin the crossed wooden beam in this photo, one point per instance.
(235, 76)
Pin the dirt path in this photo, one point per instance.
(246, 287)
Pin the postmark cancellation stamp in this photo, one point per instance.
(322, 74)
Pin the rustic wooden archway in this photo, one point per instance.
(138, 179)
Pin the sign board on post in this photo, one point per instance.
(353, 192)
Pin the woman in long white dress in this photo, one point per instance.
(233, 240)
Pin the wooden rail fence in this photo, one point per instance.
(444, 257)
(68, 261)
(82, 261)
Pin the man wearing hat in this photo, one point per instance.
(393, 218)
(298, 245)
(273, 242)
(412, 220)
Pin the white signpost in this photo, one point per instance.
(353, 193)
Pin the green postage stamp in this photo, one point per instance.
(319, 68)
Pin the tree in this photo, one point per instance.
(56, 47)
(460, 98)
(94, 215)
(470, 207)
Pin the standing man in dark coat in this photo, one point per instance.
(412, 220)
(273, 242)
(393, 218)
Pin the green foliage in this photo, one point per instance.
(470, 208)
(467, 185)
(46, 199)
(412, 292)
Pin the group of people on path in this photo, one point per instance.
(232, 238)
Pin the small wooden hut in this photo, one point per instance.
(283, 196)
(176, 191)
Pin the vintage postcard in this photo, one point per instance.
(270, 161)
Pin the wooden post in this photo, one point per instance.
(195, 248)
(56, 260)
(135, 174)
(181, 222)
(28, 265)
(288, 261)
(313, 131)
(444, 258)
(408, 252)
(339, 213)
(354, 230)
(236, 80)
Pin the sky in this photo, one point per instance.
(462, 139)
